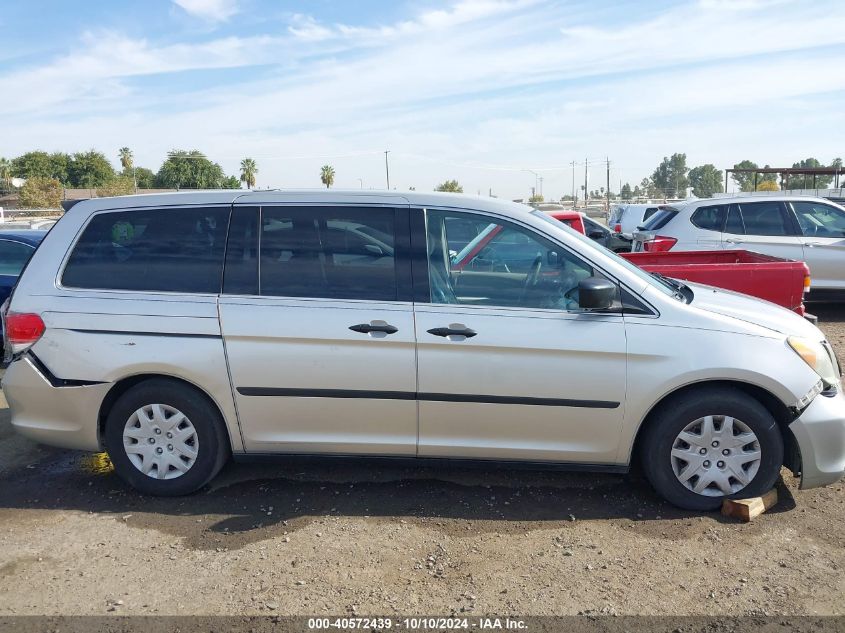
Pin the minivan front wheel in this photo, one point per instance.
(709, 445)
(165, 438)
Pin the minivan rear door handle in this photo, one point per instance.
(374, 326)
(453, 330)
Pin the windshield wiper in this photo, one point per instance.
(674, 283)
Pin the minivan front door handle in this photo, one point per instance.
(375, 326)
(452, 331)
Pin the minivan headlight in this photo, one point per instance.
(816, 355)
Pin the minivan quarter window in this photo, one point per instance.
(157, 250)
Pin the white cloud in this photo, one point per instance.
(211, 10)
(458, 92)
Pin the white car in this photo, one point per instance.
(180, 330)
(625, 218)
(800, 228)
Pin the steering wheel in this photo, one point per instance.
(533, 276)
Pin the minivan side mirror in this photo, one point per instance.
(595, 235)
(595, 293)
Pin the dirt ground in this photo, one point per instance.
(341, 537)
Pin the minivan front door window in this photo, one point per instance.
(503, 265)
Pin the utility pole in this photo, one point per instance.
(586, 195)
(541, 186)
(574, 195)
(387, 168)
(607, 158)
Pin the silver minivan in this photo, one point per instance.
(178, 330)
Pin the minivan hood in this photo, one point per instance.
(752, 310)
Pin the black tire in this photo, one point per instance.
(213, 444)
(675, 414)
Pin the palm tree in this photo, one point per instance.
(5, 173)
(248, 171)
(126, 158)
(327, 175)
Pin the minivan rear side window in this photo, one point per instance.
(711, 217)
(156, 250)
(335, 253)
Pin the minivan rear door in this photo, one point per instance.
(319, 328)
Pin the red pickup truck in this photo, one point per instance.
(781, 281)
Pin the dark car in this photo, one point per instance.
(16, 247)
(616, 242)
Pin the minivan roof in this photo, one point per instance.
(324, 196)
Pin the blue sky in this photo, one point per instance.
(478, 90)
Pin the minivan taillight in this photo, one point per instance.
(659, 244)
(22, 331)
(617, 228)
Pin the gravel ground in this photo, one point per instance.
(341, 537)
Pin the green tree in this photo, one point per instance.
(768, 185)
(190, 170)
(248, 171)
(117, 186)
(807, 181)
(145, 178)
(626, 193)
(450, 185)
(60, 167)
(327, 175)
(746, 181)
(127, 160)
(35, 164)
(536, 198)
(647, 187)
(89, 170)
(705, 180)
(231, 182)
(670, 177)
(39, 192)
(5, 174)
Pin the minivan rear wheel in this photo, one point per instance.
(710, 445)
(165, 438)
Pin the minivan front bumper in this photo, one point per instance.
(65, 416)
(820, 434)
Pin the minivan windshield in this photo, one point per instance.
(661, 283)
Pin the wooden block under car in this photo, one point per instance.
(747, 509)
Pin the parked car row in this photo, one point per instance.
(176, 331)
(16, 247)
(781, 281)
(802, 229)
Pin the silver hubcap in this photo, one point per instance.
(160, 441)
(716, 455)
